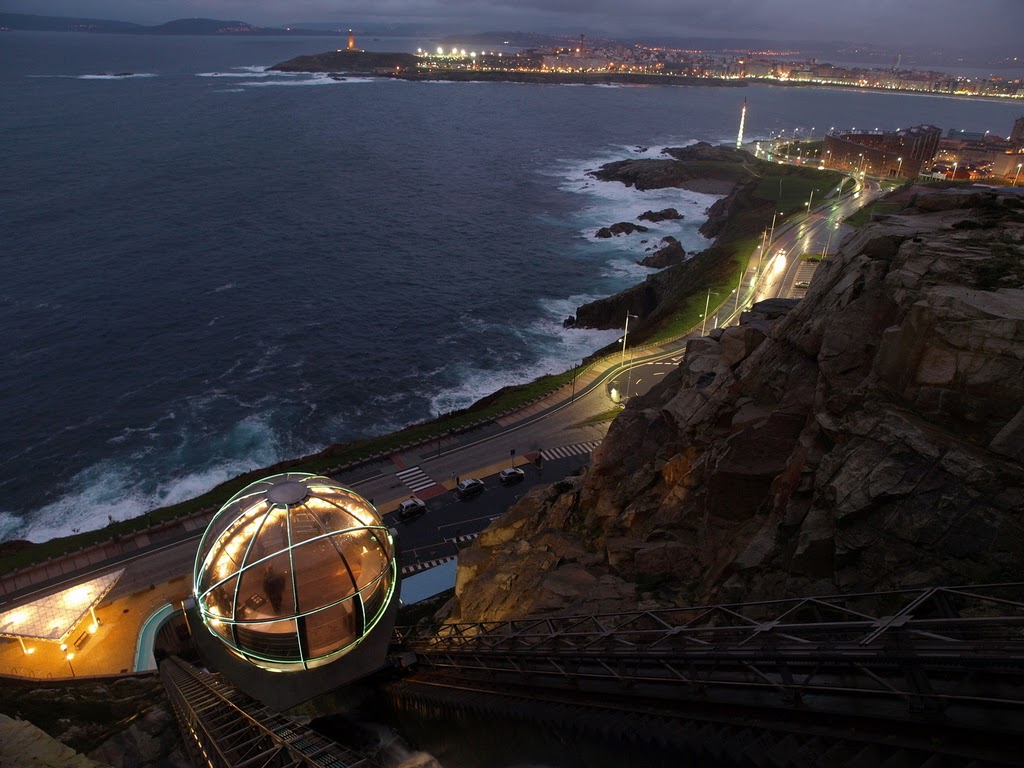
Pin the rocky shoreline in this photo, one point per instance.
(703, 168)
(868, 437)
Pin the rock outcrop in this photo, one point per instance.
(869, 437)
(666, 214)
(621, 228)
(671, 252)
(699, 168)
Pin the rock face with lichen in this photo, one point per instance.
(869, 437)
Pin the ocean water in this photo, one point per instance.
(207, 268)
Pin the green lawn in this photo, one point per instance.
(863, 216)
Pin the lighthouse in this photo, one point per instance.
(743, 119)
(351, 41)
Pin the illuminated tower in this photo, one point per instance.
(743, 119)
(351, 41)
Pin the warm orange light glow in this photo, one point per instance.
(78, 596)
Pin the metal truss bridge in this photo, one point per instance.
(929, 677)
(936, 671)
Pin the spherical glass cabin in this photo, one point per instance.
(293, 571)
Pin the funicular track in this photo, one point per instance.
(223, 727)
(933, 674)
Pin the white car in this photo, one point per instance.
(411, 507)
(511, 475)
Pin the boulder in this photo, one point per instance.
(621, 228)
(666, 214)
(670, 253)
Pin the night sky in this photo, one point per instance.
(948, 24)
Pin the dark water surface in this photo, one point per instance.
(206, 269)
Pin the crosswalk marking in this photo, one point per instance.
(416, 567)
(569, 450)
(415, 479)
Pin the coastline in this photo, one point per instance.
(471, 416)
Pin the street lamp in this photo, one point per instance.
(771, 234)
(625, 333)
(953, 177)
(760, 255)
(629, 375)
(1017, 174)
(622, 355)
(707, 303)
(68, 657)
(899, 168)
(828, 242)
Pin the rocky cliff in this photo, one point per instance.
(869, 437)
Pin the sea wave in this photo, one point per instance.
(557, 347)
(249, 72)
(316, 79)
(126, 76)
(9, 525)
(129, 486)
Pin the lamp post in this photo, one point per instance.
(629, 375)
(622, 355)
(760, 255)
(625, 333)
(828, 242)
(771, 234)
(704, 322)
(68, 657)
(899, 168)
(1017, 174)
(810, 200)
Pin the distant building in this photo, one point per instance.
(1017, 134)
(352, 41)
(900, 153)
(953, 133)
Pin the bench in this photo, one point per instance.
(82, 640)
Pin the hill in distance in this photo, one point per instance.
(31, 23)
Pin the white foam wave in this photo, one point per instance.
(120, 489)
(225, 287)
(150, 429)
(9, 524)
(126, 76)
(560, 349)
(606, 203)
(314, 80)
(250, 72)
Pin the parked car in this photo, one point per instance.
(805, 284)
(411, 507)
(469, 488)
(511, 475)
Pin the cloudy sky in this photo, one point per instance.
(944, 23)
